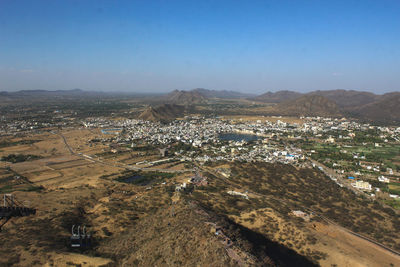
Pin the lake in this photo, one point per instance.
(132, 179)
(111, 131)
(238, 137)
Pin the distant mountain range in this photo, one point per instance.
(221, 93)
(344, 98)
(348, 98)
(385, 109)
(277, 97)
(350, 103)
(357, 104)
(184, 97)
(69, 94)
(200, 96)
(42, 92)
(307, 105)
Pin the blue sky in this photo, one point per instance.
(154, 46)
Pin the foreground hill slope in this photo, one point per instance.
(188, 236)
(274, 190)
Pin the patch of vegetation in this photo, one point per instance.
(394, 188)
(395, 203)
(33, 188)
(11, 188)
(15, 143)
(6, 189)
(143, 178)
(15, 158)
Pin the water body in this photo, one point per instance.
(132, 179)
(238, 137)
(111, 131)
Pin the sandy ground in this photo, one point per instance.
(75, 259)
(345, 249)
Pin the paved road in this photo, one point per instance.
(66, 143)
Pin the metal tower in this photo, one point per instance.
(13, 208)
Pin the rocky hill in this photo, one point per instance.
(343, 98)
(356, 104)
(347, 98)
(195, 236)
(384, 110)
(184, 98)
(308, 105)
(162, 113)
(277, 97)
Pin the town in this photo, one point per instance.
(285, 142)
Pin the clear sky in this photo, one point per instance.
(155, 46)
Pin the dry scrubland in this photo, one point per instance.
(149, 224)
(275, 190)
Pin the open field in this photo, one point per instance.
(66, 181)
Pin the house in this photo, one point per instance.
(163, 152)
(383, 179)
(181, 187)
(362, 185)
(301, 214)
(199, 180)
(330, 139)
(234, 193)
(114, 148)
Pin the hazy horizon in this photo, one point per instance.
(159, 46)
(169, 91)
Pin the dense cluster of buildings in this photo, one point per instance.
(245, 141)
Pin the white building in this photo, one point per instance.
(362, 185)
(383, 179)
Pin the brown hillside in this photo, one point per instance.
(277, 97)
(163, 113)
(185, 97)
(347, 98)
(188, 236)
(309, 105)
(385, 110)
